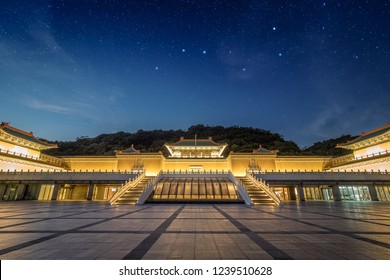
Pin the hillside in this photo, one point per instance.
(328, 147)
(239, 139)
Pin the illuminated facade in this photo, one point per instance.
(195, 170)
(21, 150)
(194, 148)
(370, 151)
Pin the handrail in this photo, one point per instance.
(350, 158)
(41, 159)
(240, 188)
(191, 172)
(304, 171)
(148, 189)
(183, 172)
(265, 187)
(53, 160)
(128, 185)
(61, 171)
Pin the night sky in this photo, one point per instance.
(308, 70)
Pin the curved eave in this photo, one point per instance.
(20, 137)
(196, 147)
(127, 152)
(373, 137)
(36, 145)
(256, 152)
(365, 141)
(180, 143)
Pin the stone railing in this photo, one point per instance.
(126, 186)
(149, 188)
(340, 160)
(69, 177)
(190, 172)
(15, 154)
(305, 171)
(240, 189)
(260, 183)
(42, 159)
(351, 158)
(53, 160)
(62, 171)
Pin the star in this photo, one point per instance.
(243, 69)
(280, 54)
(156, 68)
(183, 50)
(204, 52)
(274, 28)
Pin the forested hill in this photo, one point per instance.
(239, 139)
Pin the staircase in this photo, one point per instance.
(132, 195)
(256, 194)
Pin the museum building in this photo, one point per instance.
(196, 171)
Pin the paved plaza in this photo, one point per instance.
(92, 230)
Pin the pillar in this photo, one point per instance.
(301, 194)
(373, 192)
(291, 191)
(56, 188)
(336, 192)
(90, 191)
(2, 190)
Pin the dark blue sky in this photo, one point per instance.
(308, 70)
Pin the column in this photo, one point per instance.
(373, 192)
(336, 192)
(90, 191)
(301, 194)
(291, 191)
(2, 190)
(56, 188)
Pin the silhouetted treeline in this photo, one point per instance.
(328, 147)
(239, 139)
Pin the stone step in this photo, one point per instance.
(128, 197)
(256, 194)
(126, 202)
(132, 195)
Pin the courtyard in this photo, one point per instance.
(318, 230)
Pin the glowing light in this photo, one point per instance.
(374, 150)
(20, 150)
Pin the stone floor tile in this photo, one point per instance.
(308, 230)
